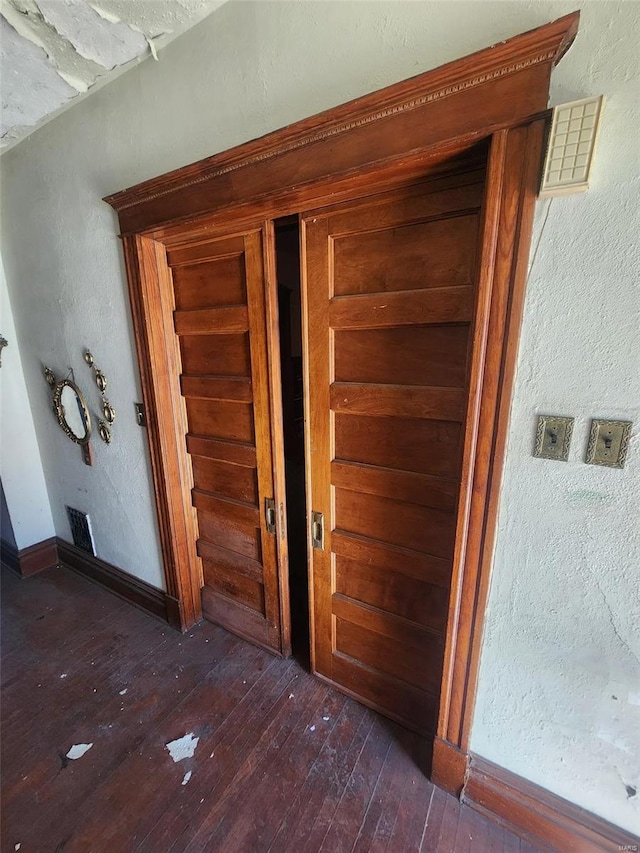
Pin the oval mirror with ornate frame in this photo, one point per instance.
(71, 410)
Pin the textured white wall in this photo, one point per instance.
(559, 691)
(561, 615)
(23, 483)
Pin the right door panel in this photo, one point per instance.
(389, 290)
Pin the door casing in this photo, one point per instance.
(387, 139)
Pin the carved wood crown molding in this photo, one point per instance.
(326, 133)
(545, 44)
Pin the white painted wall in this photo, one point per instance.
(562, 610)
(68, 295)
(23, 483)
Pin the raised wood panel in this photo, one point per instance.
(236, 390)
(407, 486)
(426, 447)
(223, 478)
(384, 624)
(423, 255)
(402, 401)
(389, 558)
(226, 451)
(192, 283)
(211, 321)
(404, 308)
(240, 537)
(230, 560)
(414, 708)
(413, 355)
(419, 528)
(418, 666)
(392, 591)
(237, 617)
(232, 511)
(437, 197)
(221, 419)
(220, 355)
(186, 249)
(236, 586)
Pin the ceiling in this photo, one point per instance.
(54, 51)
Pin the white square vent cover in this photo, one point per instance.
(572, 142)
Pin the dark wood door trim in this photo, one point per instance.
(386, 138)
(512, 180)
(152, 308)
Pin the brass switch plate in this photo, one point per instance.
(608, 443)
(553, 437)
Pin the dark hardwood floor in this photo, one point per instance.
(283, 763)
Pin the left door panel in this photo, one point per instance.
(225, 334)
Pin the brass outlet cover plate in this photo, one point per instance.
(553, 437)
(608, 443)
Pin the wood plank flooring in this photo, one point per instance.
(283, 762)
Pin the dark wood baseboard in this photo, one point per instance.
(537, 815)
(153, 601)
(29, 561)
(449, 767)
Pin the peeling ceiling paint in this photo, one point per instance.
(53, 51)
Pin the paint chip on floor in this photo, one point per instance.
(187, 776)
(78, 750)
(326, 719)
(183, 747)
(122, 692)
(312, 728)
(17, 846)
(290, 695)
(64, 675)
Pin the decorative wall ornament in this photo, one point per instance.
(49, 376)
(108, 411)
(71, 411)
(101, 381)
(104, 432)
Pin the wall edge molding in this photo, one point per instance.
(537, 815)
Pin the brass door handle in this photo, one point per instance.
(270, 514)
(317, 531)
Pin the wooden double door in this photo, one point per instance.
(389, 289)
